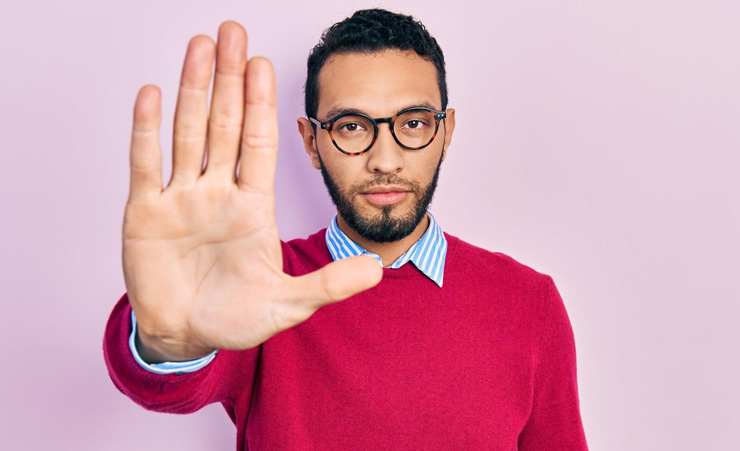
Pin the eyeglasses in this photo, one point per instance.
(355, 133)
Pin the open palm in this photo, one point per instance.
(202, 257)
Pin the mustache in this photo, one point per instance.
(386, 179)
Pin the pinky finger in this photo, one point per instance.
(146, 154)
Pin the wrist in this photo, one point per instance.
(156, 347)
(155, 350)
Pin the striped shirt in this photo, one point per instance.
(428, 255)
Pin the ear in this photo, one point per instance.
(449, 129)
(305, 128)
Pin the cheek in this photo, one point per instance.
(343, 172)
(427, 168)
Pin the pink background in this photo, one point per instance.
(596, 142)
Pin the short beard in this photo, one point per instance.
(385, 229)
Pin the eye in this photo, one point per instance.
(415, 121)
(351, 127)
(415, 124)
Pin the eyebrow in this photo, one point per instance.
(337, 110)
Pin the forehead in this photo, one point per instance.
(379, 83)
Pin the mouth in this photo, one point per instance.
(384, 196)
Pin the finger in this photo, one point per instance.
(227, 106)
(260, 133)
(146, 154)
(336, 281)
(191, 114)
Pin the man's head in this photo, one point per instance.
(372, 31)
(377, 63)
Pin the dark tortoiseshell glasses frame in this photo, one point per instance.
(328, 125)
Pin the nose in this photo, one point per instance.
(386, 156)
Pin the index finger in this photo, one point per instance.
(258, 152)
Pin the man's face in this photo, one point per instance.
(384, 193)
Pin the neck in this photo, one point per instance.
(388, 252)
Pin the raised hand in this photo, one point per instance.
(202, 258)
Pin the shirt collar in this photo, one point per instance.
(428, 254)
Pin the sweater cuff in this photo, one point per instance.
(166, 367)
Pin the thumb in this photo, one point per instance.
(338, 280)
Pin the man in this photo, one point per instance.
(446, 346)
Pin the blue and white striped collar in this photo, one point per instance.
(428, 254)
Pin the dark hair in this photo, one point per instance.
(368, 31)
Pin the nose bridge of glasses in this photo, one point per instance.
(386, 152)
(385, 120)
(390, 121)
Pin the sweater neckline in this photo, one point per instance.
(407, 271)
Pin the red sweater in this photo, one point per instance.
(488, 361)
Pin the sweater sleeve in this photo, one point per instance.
(555, 421)
(226, 377)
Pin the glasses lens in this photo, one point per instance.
(415, 128)
(353, 134)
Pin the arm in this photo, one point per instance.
(202, 257)
(555, 420)
(227, 374)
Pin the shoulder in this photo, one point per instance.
(468, 255)
(495, 271)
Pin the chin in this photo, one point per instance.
(397, 212)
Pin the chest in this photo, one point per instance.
(400, 368)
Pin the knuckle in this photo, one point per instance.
(142, 165)
(189, 132)
(191, 90)
(261, 103)
(224, 127)
(144, 130)
(183, 138)
(231, 71)
(188, 125)
(257, 142)
(225, 122)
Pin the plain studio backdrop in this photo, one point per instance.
(597, 142)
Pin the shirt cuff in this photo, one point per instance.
(166, 367)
